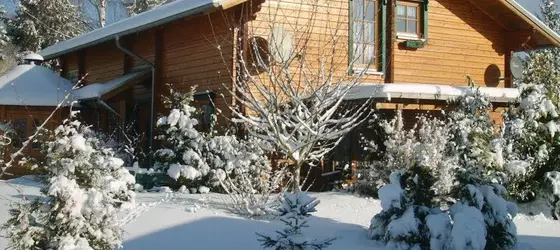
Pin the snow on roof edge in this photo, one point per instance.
(535, 20)
(427, 92)
(164, 14)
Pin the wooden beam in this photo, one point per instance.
(391, 39)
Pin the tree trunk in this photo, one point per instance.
(102, 9)
(296, 172)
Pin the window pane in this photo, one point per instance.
(401, 11)
(401, 25)
(358, 32)
(358, 53)
(411, 12)
(412, 26)
(370, 10)
(358, 9)
(369, 54)
(370, 32)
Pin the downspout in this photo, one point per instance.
(153, 68)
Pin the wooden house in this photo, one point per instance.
(415, 54)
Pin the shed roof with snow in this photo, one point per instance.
(164, 14)
(508, 13)
(33, 85)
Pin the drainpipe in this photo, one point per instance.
(153, 68)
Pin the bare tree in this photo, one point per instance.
(292, 78)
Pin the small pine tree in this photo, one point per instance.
(181, 153)
(293, 211)
(483, 219)
(410, 218)
(41, 23)
(87, 188)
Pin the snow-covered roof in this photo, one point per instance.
(426, 92)
(33, 85)
(97, 90)
(164, 14)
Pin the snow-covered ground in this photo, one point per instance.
(181, 221)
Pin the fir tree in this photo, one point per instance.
(293, 211)
(41, 23)
(87, 189)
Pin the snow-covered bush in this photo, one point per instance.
(425, 144)
(238, 166)
(409, 218)
(532, 126)
(483, 219)
(86, 191)
(243, 170)
(475, 143)
(180, 152)
(552, 192)
(293, 211)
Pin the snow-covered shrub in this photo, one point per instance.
(86, 191)
(243, 170)
(552, 192)
(425, 144)
(532, 126)
(293, 210)
(475, 142)
(483, 219)
(409, 218)
(531, 139)
(180, 152)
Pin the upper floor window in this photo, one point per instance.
(410, 22)
(364, 32)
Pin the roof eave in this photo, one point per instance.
(200, 9)
(537, 24)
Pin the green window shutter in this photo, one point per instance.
(383, 63)
(425, 17)
(350, 37)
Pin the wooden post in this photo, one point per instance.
(508, 78)
(391, 34)
(81, 64)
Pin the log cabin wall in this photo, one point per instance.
(320, 30)
(462, 40)
(198, 52)
(25, 120)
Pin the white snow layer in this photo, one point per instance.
(426, 92)
(162, 223)
(33, 85)
(96, 90)
(165, 13)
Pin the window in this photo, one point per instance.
(20, 128)
(409, 22)
(364, 32)
(72, 76)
